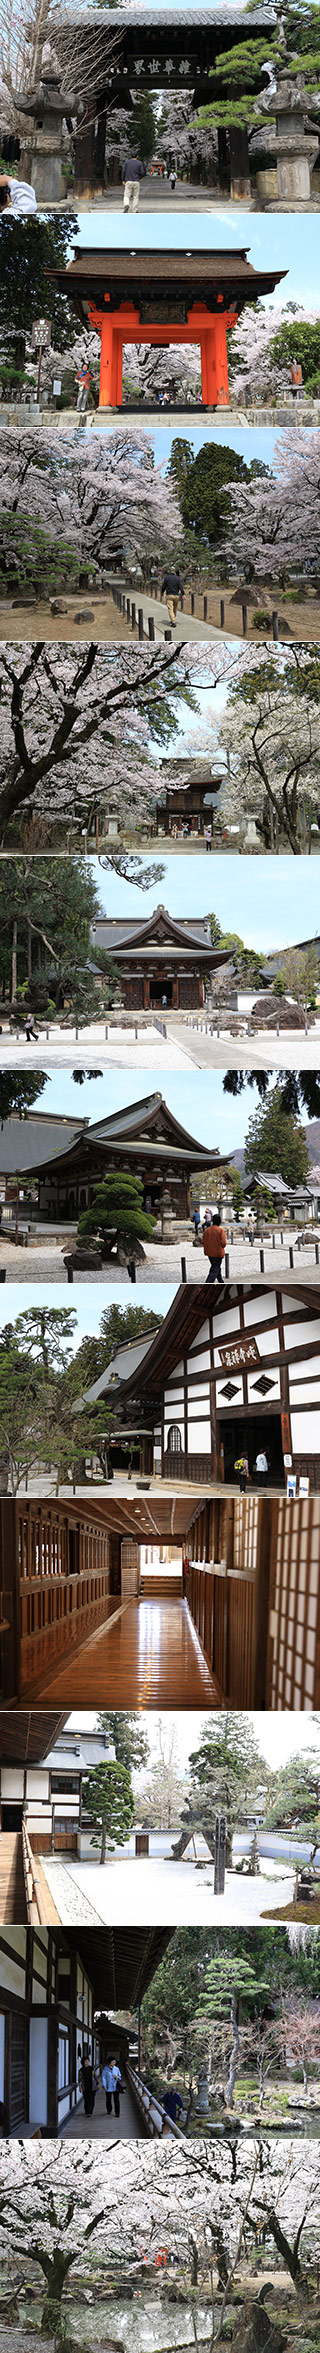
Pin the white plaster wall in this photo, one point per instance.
(256, 1311)
(199, 1436)
(11, 1784)
(254, 1394)
(306, 1432)
(228, 1403)
(299, 1335)
(228, 1321)
(12, 1970)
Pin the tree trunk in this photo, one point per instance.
(14, 961)
(234, 2053)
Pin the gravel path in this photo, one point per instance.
(44, 1261)
(148, 1892)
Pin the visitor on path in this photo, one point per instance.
(214, 1243)
(29, 1029)
(172, 2104)
(172, 178)
(208, 837)
(242, 1466)
(83, 379)
(16, 196)
(132, 172)
(87, 2082)
(172, 588)
(261, 1467)
(111, 2079)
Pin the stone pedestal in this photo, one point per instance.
(296, 145)
(203, 2096)
(45, 146)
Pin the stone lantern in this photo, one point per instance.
(294, 142)
(44, 145)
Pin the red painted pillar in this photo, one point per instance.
(106, 363)
(215, 385)
(117, 369)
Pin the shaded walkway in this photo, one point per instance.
(12, 1889)
(147, 1656)
(126, 2127)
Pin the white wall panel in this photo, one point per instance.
(306, 1432)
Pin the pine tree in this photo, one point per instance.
(109, 1802)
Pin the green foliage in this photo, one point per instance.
(203, 497)
(118, 1204)
(295, 1793)
(180, 463)
(43, 1331)
(276, 1142)
(31, 558)
(237, 1188)
(19, 1092)
(28, 249)
(109, 1802)
(225, 1977)
(142, 138)
(125, 1731)
(300, 340)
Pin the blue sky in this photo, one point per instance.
(260, 442)
(270, 901)
(195, 1096)
(274, 241)
(89, 1303)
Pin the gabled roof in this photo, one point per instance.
(29, 1146)
(124, 1362)
(161, 930)
(189, 1310)
(276, 1185)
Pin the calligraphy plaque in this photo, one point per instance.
(237, 1353)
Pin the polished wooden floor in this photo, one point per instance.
(147, 1655)
(12, 1888)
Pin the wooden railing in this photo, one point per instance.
(154, 2115)
(36, 1910)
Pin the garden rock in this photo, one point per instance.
(255, 2333)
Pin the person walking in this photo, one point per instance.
(261, 1467)
(208, 837)
(242, 1466)
(132, 172)
(172, 180)
(111, 2080)
(172, 588)
(87, 2082)
(214, 1243)
(83, 379)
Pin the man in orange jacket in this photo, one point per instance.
(214, 1243)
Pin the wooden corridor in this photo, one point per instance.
(148, 1655)
(128, 2126)
(12, 1888)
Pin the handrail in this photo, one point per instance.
(151, 2109)
(34, 1901)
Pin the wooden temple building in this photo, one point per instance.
(163, 960)
(166, 51)
(188, 802)
(55, 1164)
(56, 1987)
(233, 1371)
(162, 298)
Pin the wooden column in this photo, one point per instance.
(107, 393)
(214, 364)
(10, 1598)
(262, 1603)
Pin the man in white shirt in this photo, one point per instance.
(261, 1467)
(16, 196)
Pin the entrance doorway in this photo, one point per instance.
(249, 1435)
(12, 1817)
(159, 989)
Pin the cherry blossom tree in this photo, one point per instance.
(78, 728)
(188, 148)
(252, 369)
(271, 738)
(275, 521)
(100, 497)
